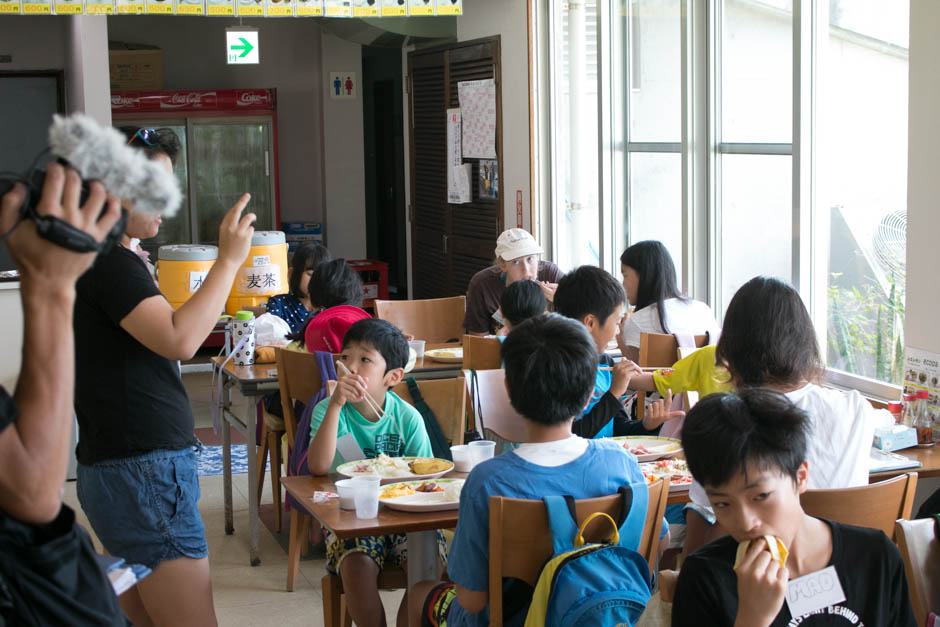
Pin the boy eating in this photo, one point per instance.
(749, 453)
(375, 353)
(550, 367)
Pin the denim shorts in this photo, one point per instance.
(146, 508)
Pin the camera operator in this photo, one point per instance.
(48, 573)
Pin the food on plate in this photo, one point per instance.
(394, 491)
(778, 550)
(637, 449)
(452, 491)
(676, 469)
(428, 466)
(429, 487)
(383, 466)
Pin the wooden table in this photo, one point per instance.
(430, 369)
(420, 527)
(252, 382)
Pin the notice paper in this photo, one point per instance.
(478, 110)
(458, 175)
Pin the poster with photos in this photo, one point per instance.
(130, 7)
(279, 8)
(161, 7)
(421, 7)
(309, 8)
(190, 7)
(338, 8)
(488, 187)
(922, 372)
(365, 8)
(220, 8)
(394, 8)
(450, 7)
(37, 7)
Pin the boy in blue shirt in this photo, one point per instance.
(550, 368)
(594, 298)
(375, 353)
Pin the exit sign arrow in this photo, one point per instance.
(246, 47)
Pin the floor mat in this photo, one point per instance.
(209, 460)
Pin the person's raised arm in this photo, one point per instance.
(179, 334)
(34, 448)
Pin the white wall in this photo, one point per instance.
(343, 141)
(923, 185)
(194, 58)
(36, 42)
(508, 19)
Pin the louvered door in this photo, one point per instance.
(449, 242)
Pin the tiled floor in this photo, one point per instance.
(255, 596)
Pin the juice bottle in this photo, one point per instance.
(922, 420)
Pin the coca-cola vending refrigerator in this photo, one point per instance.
(229, 139)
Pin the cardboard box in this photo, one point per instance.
(135, 66)
(896, 438)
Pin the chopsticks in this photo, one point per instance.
(371, 402)
(642, 368)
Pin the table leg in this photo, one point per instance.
(227, 461)
(251, 418)
(423, 560)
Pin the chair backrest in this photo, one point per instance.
(920, 552)
(521, 550)
(298, 378)
(447, 399)
(433, 320)
(497, 413)
(481, 353)
(876, 506)
(659, 350)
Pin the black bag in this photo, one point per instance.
(439, 444)
(49, 575)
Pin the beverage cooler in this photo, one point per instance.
(229, 146)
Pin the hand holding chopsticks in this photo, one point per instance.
(371, 402)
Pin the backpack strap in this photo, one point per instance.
(636, 498)
(561, 522)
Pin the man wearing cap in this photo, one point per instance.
(517, 259)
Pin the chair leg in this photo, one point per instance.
(274, 446)
(332, 599)
(262, 455)
(297, 539)
(347, 619)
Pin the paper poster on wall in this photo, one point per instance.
(220, 8)
(248, 8)
(130, 7)
(922, 372)
(343, 86)
(10, 6)
(449, 7)
(478, 108)
(279, 8)
(160, 7)
(394, 8)
(98, 7)
(365, 8)
(309, 8)
(458, 173)
(190, 7)
(488, 179)
(68, 7)
(421, 7)
(38, 7)
(338, 8)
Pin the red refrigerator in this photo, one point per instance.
(229, 139)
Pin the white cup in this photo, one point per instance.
(462, 455)
(481, 450)
(366, 496)
(347, 494)
(418, 346)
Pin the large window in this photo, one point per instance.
(751, 137)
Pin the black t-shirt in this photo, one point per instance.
(869, 568)
(48, 573)
(128, 399)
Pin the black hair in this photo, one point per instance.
(335, 283)
(768, 337)
(551, 364)
(657, 276)
(522, 300)
(725, 433)
(588, 290)
(163, 141)
(384, 337)
(307, 256)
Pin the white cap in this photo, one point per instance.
(515, 243)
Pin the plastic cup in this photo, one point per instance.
(462, 455)
(347, 494)
(481, 450)
(366, 496)
(418, 346)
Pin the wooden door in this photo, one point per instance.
(449, 242)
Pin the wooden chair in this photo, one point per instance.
(272, 430)
(481, 353)
(877, 506)
(448, 401)
(920, 552)
(521, 550)
(499, 417)
(433, 320)
(658, 350)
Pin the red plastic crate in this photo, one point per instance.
(374, 276)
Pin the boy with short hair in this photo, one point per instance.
(550, 367)
(749, 452)
(594, 298)
(375, 352)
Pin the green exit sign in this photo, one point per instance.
(241, 46)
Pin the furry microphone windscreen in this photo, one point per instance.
(101, 153)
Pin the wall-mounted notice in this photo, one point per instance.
(68, 7)
(250, 8)
(220, 8)
(343, 86)
(130, 7)
(161, 7)
(450, 7)
(478, 106)
(458, 173)
(309, 8)
(337, 8)
(37, 7)
(421, 7)
(99, 7)
(365, 8)
(922, 372)
(190, 7)
(394, 8)
(279, 8)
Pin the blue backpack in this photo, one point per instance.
(593, 584)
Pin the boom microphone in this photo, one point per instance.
(98, 153)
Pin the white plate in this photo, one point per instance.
(422, 501)
(445, 355)
(659, 448)
(673, 468)
(348, 470)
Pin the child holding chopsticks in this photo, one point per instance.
(373, 357)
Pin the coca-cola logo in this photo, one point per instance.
(123, 102)
(188, 99)
(247, 99)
